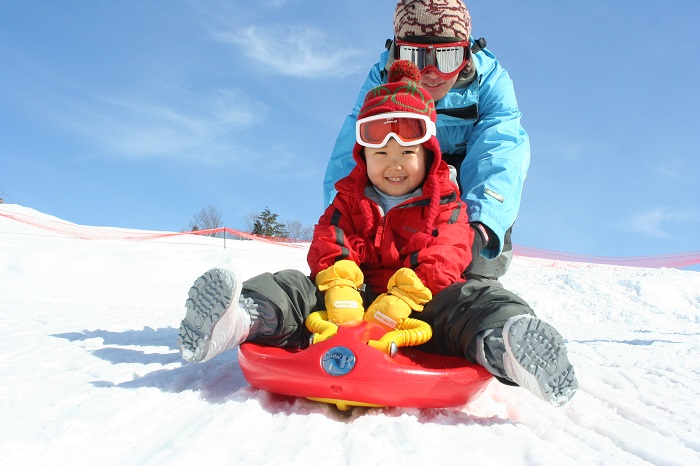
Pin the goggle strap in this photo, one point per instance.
(479, 44)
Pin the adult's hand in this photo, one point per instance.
(482, 237)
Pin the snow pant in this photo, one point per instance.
(462, 310)
(457, 314)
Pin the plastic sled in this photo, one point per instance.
(345, 371)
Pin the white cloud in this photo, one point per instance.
(570, 151)
(187, 124)
(659, 222)
(294, 50)
(667, 170)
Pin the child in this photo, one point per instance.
(396, 238)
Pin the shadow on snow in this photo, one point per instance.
(220, 380)
(156, 349)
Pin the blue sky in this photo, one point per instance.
(138, 114)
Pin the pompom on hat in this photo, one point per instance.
(401, 93)
(447, 19)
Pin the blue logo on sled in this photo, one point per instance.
(338, 360)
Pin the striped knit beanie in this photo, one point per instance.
(447, 19)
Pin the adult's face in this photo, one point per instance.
(436, 85)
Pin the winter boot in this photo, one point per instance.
(217, 317)
(535, 358)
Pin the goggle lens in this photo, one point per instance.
(448, 59)
(407, 130)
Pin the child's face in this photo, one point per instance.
(395, 169)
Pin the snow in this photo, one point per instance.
(90, 372)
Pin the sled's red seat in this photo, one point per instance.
(345, 371)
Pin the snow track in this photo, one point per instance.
(90, 372)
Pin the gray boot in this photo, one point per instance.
(215, 320)
(536, 359)
(490, 350)
(531, 353)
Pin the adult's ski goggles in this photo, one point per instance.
(408, 129)
(446, 59)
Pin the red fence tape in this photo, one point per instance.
(84, 232)
(116, 234)
(678, 260)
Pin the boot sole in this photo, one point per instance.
(540, 351)
(209, 298)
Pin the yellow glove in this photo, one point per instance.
(340, 282)
(406, 294)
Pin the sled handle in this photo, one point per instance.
(322, 329)
(412, 332)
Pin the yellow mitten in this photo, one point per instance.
(340, 282)
(406, 294)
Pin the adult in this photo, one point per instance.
(478, 125)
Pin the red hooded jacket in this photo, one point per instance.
(429, 233)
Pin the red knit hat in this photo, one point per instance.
(403, 93)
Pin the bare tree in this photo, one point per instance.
(208, 218)
(298, 231)
(250, 219)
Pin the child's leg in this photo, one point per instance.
(222, 312)
(489, 325)
(289, 296)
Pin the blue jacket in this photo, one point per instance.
(479, 122)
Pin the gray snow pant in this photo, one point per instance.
(457, 314)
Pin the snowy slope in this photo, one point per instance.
(90, 372)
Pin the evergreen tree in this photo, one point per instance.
(266, 224)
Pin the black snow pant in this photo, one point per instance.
(461, 311)
(457, 314)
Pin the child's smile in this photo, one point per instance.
(395, 169)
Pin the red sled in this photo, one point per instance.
(347, 372)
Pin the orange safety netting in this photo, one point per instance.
(117, 234)
(84, 232)
(678, 260)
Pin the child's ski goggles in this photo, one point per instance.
(446, 59)
(408, 129)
